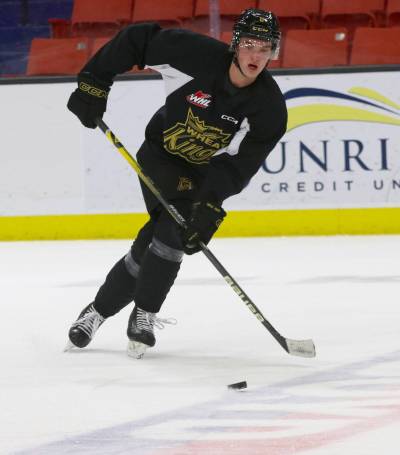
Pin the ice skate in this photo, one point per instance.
(141, 331)
(83, 329)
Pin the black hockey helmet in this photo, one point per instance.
(258, 24)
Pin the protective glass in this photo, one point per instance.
(259, 46)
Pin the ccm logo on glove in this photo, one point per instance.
(89, 101)
(94, 91)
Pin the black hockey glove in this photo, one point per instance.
(204, 220)
(89, 100)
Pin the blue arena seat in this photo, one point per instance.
(10, 13)
(12, 63)
(40, 11)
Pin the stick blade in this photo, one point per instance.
(301, 348)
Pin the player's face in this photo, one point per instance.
(253, 55)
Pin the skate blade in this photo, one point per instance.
(69, 346)
(136, 349)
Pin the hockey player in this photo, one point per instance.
(223, 115)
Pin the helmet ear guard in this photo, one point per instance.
(257, 24)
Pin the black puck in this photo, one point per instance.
(238, 385)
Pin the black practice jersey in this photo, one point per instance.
(223, 132)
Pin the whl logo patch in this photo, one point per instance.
(200, 99)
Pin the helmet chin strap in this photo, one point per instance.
(236, 62)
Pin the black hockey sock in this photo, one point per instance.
(156, 276)
(119, 288)
(117, 291)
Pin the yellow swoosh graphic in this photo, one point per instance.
(313, 113)
(373, 94)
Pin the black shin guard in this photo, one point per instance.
(119, 288)
(116, 292)
(156, 276)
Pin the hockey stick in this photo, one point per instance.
(301, 348)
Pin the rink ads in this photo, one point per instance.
(141, 331)
(83, 329)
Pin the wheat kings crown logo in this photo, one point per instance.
(195, 141)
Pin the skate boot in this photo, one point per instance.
(83, 329)
(141, 331)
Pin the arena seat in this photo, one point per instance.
(167, 12)
(39, 11)
(299, 14)
(226, 7)
(11, 14)
(315, 48)
(229, 10)
(351, 13)
(12, 63)
(393, 13)
(57, 56)
(275, 64)
(375, 46)
(226, 37)
(95, 18)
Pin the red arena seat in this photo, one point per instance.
(393, 13)
(226, 37)
(166, 12)
(57, 56)
(376, 46)
(315, 48)
(299, 14)
(226, 7)
(352, 14)
(100, 17)
(229, 10)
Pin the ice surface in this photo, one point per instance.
(343, 292)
